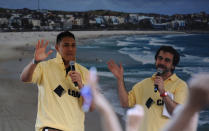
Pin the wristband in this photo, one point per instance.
(164, 94)
(35, 62)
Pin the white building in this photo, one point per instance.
(4, 21)
(133, 18)
(133, 15)
(36, 22)
(15, 15)
(92, 21)
(121, 20)
(144, 17)
(61, 16)
(178, 24)
(69, 16)
(106, 17)
(79, 21)
(67, 24)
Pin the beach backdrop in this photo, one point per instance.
(136, 53)
(134, 49)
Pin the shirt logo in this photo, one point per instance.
(160, 102)
(59, 90)
(150, 101)
(74, 93)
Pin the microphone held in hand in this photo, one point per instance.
(72, 66)
(159, 73)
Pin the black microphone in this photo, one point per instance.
(159, 73)
(72, 66)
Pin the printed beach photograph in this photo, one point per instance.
(128, 32)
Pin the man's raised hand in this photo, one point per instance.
(115, 69)
(40, 52)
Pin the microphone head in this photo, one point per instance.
(159, 72)
(72, 62)
(72, 65)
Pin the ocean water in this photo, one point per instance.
(136, 53)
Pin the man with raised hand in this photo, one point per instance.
(158, 104)
(59, 84)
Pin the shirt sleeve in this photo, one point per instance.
(37, 74)
(134, 96)
(131, 98)
(181, 93)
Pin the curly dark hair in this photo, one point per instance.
(170, 49)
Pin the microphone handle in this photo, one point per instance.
(156, 88)
(73, 69)
(75, 84)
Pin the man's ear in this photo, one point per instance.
(173, 67)
(56, 47)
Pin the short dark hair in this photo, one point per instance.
(61, 35)
(170, 49)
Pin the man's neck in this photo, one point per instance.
(66, 63)
(166, 75)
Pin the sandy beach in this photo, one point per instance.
(18, 100)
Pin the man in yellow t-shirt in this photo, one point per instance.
(159, 94)
(59, 84)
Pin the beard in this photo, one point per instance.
(164, 68)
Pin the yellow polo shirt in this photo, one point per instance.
(142, 91)
(61, 112)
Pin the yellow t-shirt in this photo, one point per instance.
(65, 112)
(142, 91)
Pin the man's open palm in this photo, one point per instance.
(40, 52)
(115, 69)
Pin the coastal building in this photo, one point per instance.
(79, 21)
(61, 16)
(26, 19)
(106, 17)
(14, 23)
(4, 21)
(161, 26)
(68, 16)
(178, 24)
(144, 17)
(121, 20)
(67, 24)
(92, 21)
(114, 20)
(99, 20)
(133, 18)
(36, 23)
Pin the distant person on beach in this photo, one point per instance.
(158, 94)
(59, 82)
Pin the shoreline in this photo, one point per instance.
(12, 42)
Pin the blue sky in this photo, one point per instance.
(139, 6)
